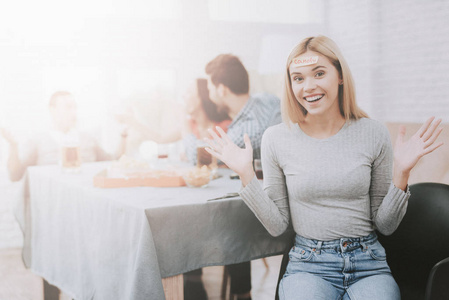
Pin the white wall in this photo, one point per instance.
(415, 60)
(399, 54)
(10, 234)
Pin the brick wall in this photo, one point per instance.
(414, 68)
(352, 26)
(399, 54)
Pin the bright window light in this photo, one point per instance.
(144, 82)
(267, 11)
(149, 94)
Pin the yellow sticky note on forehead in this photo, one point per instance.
(305, 61)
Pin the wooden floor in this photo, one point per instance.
(18, 283)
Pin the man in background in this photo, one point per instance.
(228, 84)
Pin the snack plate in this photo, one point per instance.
(155, 179)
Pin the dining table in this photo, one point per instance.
(135, 242)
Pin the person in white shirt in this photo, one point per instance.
(44, 148)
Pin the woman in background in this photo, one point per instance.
(198, 113)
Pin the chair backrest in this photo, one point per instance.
(421, 240)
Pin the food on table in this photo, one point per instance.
(130, 172)
(127, 167)
(198, 177)
(204, 158)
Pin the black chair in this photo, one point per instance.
(418, 251)
(284, 264)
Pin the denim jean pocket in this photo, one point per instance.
(300, 254)
(377, 251)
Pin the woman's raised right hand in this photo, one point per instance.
(237, 159)
(8, 136)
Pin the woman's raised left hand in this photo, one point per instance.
(237, 159)
(408, 153)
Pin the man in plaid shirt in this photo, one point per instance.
(228, 85)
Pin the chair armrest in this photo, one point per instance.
(437, 284)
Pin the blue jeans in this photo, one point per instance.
(347, 268)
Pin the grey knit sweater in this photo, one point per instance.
(330, 188)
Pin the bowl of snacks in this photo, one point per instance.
(197, 177)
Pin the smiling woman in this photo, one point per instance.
(325, 65)
(314, 85)
(327, 168)
(103, 48)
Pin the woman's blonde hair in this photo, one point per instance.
(294, 112)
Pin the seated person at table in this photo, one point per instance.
(228, 84)
(198, 113)
(44, 149)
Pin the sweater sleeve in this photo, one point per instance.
(270, 204)
(388, 203)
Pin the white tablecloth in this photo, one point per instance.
(96, 243)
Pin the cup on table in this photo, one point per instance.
(204, 158)
(162, 151)
(258, 168)
(70, 159)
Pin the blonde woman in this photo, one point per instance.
(328, 169)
